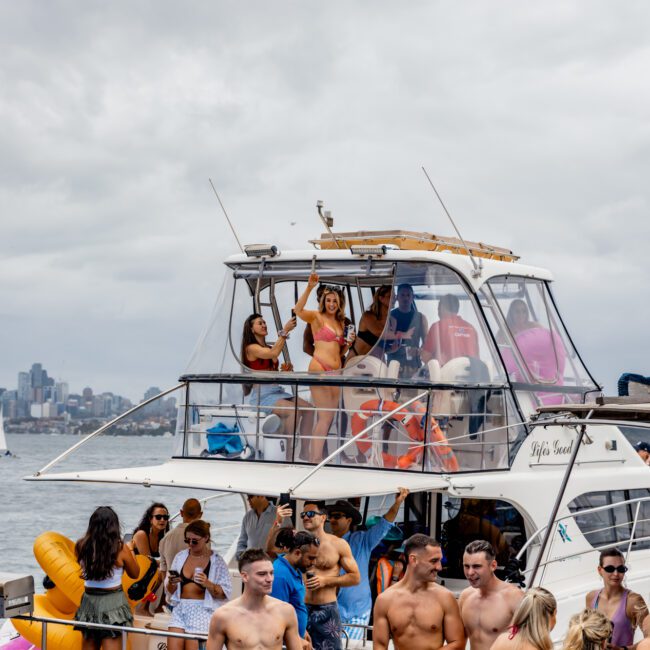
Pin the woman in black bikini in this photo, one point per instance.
(198, 582)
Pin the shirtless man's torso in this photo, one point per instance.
(416, 612)
(488, 604)
(255, 621)
(333, 555)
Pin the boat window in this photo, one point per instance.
(464, 520)
(438, 330)
(534, 345)
(614, 522)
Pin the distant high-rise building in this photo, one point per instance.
(24, 385)
(36, 375)
(61, 391)
(155, 408)
(87, 394)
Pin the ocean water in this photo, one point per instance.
(30, 508)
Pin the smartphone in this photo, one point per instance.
(173, 574)
(310, 575)
(293, 314)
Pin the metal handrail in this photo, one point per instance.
(103, 428)
(123, 630)
(586, 511)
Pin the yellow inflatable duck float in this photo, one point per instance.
(55, 554)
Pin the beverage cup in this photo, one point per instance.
(197, 571)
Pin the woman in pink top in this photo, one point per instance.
(624, 608)
(329, 345)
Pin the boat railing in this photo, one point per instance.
(123, 631)
(437, 429)
(627, 528)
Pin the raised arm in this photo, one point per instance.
(281, 513)
(452, 625)
(257, 351)
(380, 626)
(394, 509)
(300, 311)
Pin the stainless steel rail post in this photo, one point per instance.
(558, 500)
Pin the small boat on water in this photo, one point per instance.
(494, 424)
(4, 450)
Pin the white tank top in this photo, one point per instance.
(114, 580)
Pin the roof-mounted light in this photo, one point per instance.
(377, 251)
(261, 250)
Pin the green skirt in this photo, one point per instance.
(107, 607)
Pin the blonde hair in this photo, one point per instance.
(531, 621)
(340, 313)
(588, 630)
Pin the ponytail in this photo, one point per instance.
(588, 630)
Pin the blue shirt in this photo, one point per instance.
(289, 587)
(356, 600)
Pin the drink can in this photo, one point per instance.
(197, 570)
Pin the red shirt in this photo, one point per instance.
(450, 338)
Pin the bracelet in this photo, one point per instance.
(283, 334)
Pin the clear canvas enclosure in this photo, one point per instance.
(428, 393)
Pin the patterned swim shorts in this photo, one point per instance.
(324, 626)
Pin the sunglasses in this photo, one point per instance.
(193, 541)
(161, 517)
(337, 515)
(610, 568)
(310, 514)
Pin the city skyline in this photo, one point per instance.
(37, 395)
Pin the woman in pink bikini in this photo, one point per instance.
(329, 346)
(624, 608)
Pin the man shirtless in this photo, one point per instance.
(334, 555)
(254, 621)
(487, 605)
(418, 613)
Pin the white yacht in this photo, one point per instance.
(503, 436)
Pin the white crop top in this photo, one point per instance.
(114, 580)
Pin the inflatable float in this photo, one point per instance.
(55, 554)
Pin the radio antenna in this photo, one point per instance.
(477, 267)
(214, 189)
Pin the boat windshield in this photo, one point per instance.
(535, 347)
(422, 389)
(414, 322)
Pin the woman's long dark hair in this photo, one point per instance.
(248, 337)
(98, 549)
(145, 522)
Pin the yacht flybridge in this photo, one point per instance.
(502, 436)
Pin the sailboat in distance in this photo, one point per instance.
(3, 439)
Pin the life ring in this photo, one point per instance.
(55, 554)
(444, 452)
(409, 420)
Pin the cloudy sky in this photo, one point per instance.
(532, 119)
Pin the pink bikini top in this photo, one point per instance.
(328, 335)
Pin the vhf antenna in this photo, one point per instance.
(328, 221)
(478, 268)
(214, 189)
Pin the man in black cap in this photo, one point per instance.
(355, 603)
(643, 449)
